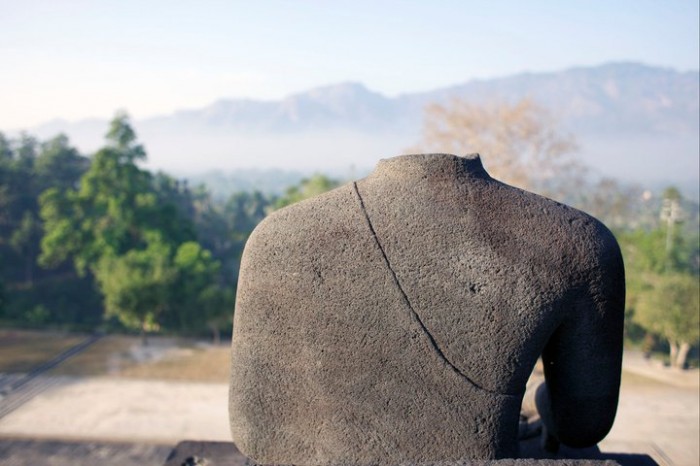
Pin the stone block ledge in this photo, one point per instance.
(196, 453)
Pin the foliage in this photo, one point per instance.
(109, 214)
(59, 165)
(117, 245)
(134, 233)
(135, 285)
(670, 307)
(68, 301)
(223, 229)
(646, 251)
(662, 282)
(28, 167)
(3, 299)
(198, 300)
(308, 187)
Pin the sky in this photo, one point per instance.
(75, 59)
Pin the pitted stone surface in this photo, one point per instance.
(397, 319)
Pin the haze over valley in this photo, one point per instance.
(634, 122)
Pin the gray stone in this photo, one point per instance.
(188, 453)
(397, 319)
(193, 453)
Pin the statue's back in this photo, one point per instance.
(398, 318)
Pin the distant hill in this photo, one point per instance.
(635, 122)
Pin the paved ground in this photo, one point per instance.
(658, 415)
(124, 410)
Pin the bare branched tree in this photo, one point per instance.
(520, 143)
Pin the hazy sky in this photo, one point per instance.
(85, 58)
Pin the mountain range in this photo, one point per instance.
(632, 121)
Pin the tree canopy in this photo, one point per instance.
(663, 271)
(119, 233)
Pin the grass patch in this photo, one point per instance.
(23, 350)
(107, 356)
(163, 359)
(202, 364)
(120, 356)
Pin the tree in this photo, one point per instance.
(2, 298)
(6, 152)
(133, 232)
(19, 225)
(198, 299)
(670, 308)
(662, 278)
(25, 241)
(308, 187)
(59, 165)
(219, 303)
(176, 211)
(111, 212)
(38, 296)
(519, 142)
(136, 285)
(26, 152)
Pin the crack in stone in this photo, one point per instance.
(425, 330)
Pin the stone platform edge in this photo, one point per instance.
(198, 453)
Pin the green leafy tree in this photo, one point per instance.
(59, 165)
(196, 271)
(136, 285)
(26, 153)
(219, 304)
(101, 218)
(133, 232)
(19, 226)
(670, 309)
(36, 296)
(176, 213)
(102, 225)
(111, 212)
(662, 278)
(307, 188)
(6, 152)
(197, 298)
(25, 241)
(3, 299)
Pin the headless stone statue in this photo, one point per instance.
(396, 320)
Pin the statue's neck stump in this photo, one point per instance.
(430, 166)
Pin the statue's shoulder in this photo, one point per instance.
(531, 227)
(565, 221)
(300, 227)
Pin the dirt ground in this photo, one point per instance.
(167, 393)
